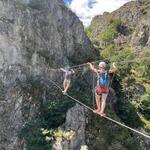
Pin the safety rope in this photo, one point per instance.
(145, 135)
(70, 96)
(108, 118)
(119, 62)
(94, 62)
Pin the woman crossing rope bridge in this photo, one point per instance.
(103, 83)
(68, 73)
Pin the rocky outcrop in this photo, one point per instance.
(75, 121)
(99, 23)
(141, 34)
(135, 24)
(34, 37)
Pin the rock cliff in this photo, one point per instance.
(35, 36)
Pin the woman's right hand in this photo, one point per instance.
(88, 63)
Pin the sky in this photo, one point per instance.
(87, 9)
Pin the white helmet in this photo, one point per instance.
(103, 64)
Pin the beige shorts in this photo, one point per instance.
(67, 81)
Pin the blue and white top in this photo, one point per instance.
(103, 79)
(68, 74)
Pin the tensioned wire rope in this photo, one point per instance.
(127, 54)
(117, 62)
(106, 117)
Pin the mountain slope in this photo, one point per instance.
(123, 36)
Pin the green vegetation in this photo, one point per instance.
(115, 137)
(89, 33)
(111, 32)
(50, 114)
(49, 117)
(113, 53)
(133, 78)
(108, 35)
(109, 51)
(144, 106)
(134, 92)
(132, 84)
(144, 8)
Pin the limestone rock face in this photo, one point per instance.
(75, 121)
(141, 34)
(99, 23)
(34, 37)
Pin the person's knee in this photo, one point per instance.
(104, 97)
(97, 97)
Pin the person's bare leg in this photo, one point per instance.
(67, 86)
(97, 97)
(103, 105)
(64, 84)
